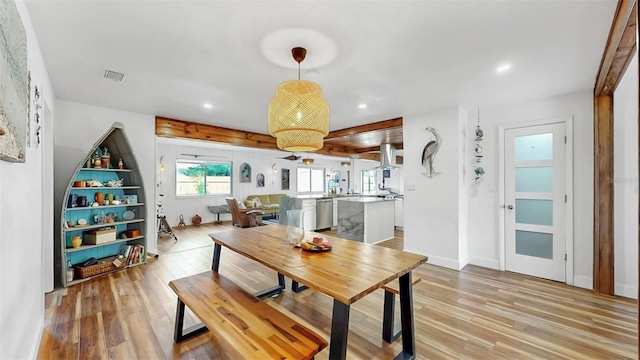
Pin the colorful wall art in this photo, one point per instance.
(14, 84)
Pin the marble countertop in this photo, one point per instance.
(361, 198)
(317, 196)
(364, 199)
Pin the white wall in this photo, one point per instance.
(484, 231)
(626, 183)
(79, 126)
(433, 207)
(436, 200)
(261, 161)
(22, 211)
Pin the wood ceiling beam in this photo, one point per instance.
(172, 128)
(365, 150)
(362, 150)
(620, 48)
(380, 125)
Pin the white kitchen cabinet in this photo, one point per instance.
(335, 212)
(398, 212)
(309, 208)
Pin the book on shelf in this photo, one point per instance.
(125, 250)
(136, 255)
(133, 254)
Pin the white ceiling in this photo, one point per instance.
(399, 57)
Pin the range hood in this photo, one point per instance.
(387, 157)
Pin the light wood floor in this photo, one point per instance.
(476, 313)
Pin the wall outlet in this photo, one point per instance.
(411, 187)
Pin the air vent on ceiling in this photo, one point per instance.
(115, 76)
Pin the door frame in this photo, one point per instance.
(568, 121)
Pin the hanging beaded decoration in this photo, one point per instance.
(478, 171)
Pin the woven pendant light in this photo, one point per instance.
(299, 115)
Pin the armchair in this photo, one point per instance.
(243, 217)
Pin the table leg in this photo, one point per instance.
(217, 249)
(339, 330)
(390, 332)
(406, 316)
(180, 334)
(266, 293)
(296, 287)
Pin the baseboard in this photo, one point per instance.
(444, 262)
(36, 346)
(463, 262)
(585, 282)
(485, 262)
(626, 290)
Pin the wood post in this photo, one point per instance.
(603, 279)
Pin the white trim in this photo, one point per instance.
(36, 345)
(585, 282)
(569, 203)
(570, 278)
(501, 204)
(444, 262)
(485, 262)
(626, 290)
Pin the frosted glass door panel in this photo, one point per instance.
(534, 147)
(534, 212)
(534, 191)
(534, 179)
(534, 244)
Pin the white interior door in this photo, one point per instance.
(535, 201)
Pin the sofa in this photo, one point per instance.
(269, 203)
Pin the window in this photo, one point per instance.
(193, 180)
(368, 181)
(310, 180)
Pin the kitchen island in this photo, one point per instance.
(366, 219)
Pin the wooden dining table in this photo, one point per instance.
(347, 273)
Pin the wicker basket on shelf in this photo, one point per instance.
(103, 266)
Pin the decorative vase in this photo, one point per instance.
(105, 162)
(99, 198)
(76, 241)
(295, 226)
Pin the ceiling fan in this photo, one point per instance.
(291, 157)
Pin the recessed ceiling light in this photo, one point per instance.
(503, 68)
(208, 106)
(362, 106)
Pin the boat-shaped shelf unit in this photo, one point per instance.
(82, 215)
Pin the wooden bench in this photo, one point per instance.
(244, 326)
(390, 330)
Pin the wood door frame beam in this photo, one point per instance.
(620, 48)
